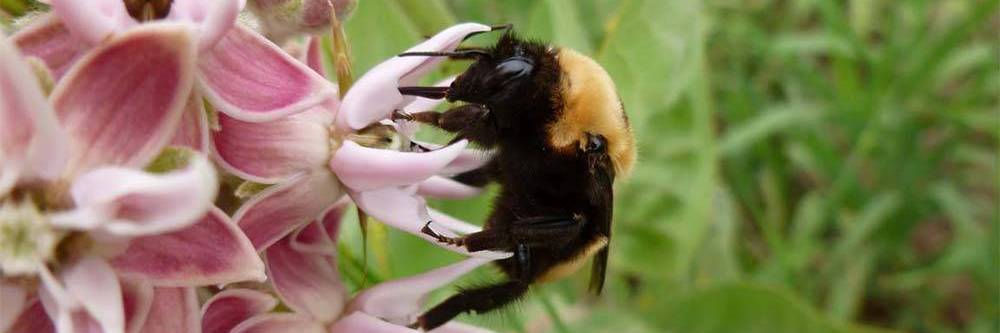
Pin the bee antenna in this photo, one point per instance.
(458, 54)
(506, 26)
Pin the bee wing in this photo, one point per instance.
(598, 269)
(603, 197)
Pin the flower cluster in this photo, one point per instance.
(116, 118)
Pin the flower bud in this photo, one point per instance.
(280, 19)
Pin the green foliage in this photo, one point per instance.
(805, 165)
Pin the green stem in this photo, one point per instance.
(341, 55)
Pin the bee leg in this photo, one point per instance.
(426, 117)
(478, 300)
(469, 121)
(426, 230)
(545, 231)
(478, 177)
(425, 92)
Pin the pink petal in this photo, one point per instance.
(314, 56)
(362, 168)
(279, 323)
(446, 188)
(399, 301)
(14, 300)
(121, 103)
(446, 40)
(320, 236)
(457, 327)
(276, 211)
(374, 96)
(312, 238)
(84, 323)
(452, 223)
(214, 18)
(275, 85)
(272, 151)
(31, 142)
(307, 283)
(94, 20)
(468, 160)
(137, 299)
(361, 322)
(229, 308)
(60, 313)
(93, 284)
(404, 211)
(193, 129)
(58, 303)
(32, 320)
(174, 310)
(126, 202)
(49, 40)
(212, 251)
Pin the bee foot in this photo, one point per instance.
(457, 241)
(401, 115)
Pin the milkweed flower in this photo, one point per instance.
(315, 157)
(238, 71)
(280, 19)
(301, 269)
(85, 234)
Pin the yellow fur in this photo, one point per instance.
(591, 105)
(568, 267)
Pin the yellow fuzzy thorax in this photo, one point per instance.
(591, 105)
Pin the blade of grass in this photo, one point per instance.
(553, 313)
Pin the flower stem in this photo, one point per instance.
(341, 54)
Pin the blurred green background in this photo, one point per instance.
(805, 165)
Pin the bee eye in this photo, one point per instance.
(595, 143)
(512, 68)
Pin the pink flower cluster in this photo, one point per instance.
(97, 236)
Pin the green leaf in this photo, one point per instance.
(768, 123)
(811, 43)
(806, 226)
(717, 259)
(558, 22)
(857, 230)
(848, 288)
(430, 16)
(745, 308)
(378, 30)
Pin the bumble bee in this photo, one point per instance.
(560, 136)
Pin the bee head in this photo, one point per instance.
(510, 74)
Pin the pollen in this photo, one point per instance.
(26, 239)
